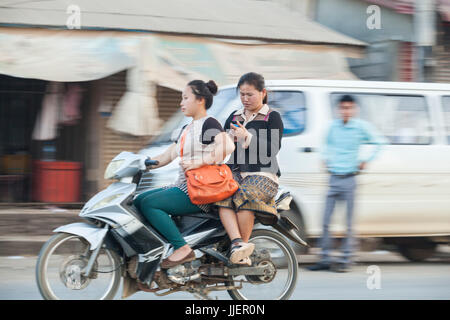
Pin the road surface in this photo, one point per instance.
(377, 275)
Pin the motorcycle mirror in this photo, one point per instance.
(175, 134)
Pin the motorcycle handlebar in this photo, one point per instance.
(150, 162)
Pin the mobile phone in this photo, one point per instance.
(234, 123)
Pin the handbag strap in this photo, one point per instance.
(183, 139)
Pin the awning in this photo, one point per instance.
(70, 56)
(178, 60)
(171, 61)
(63, 56)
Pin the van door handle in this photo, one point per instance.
(306, 149)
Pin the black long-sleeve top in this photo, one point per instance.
(260, 156)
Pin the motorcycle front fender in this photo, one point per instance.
(93, 234)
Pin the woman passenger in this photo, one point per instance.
(257, 131)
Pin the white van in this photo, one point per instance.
(403, 196)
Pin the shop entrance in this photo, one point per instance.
(43, 130)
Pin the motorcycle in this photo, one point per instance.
(87, 260)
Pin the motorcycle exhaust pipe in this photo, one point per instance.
(287, 228)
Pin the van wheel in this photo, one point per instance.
(417, 251)
(297, 219)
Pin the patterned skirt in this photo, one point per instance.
(255, 193)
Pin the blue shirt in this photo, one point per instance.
(341, 150)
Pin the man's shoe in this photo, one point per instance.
(341, 267)
(319, 266)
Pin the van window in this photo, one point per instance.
(292, 108)
(225, 102)
(446, 110)
(401, 119)
(290, 104)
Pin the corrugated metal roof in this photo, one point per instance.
(246, 19)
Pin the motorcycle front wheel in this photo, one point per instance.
(281, 282)
(60, 266)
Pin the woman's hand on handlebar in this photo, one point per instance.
(150, 163)
(164, 158)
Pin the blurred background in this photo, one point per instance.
(81, 81)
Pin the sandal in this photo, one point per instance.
(246, 261)
(241, 251)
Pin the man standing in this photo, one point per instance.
(341, 157)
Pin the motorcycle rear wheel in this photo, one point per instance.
(59, 270)
(284, 281)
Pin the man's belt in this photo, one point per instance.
(344, 175)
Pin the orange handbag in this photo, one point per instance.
(209, 183)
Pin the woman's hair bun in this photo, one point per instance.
(212, 86)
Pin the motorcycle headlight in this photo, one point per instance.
(113, 166)
(105, 201)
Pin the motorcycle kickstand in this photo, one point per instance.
(200, 294)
